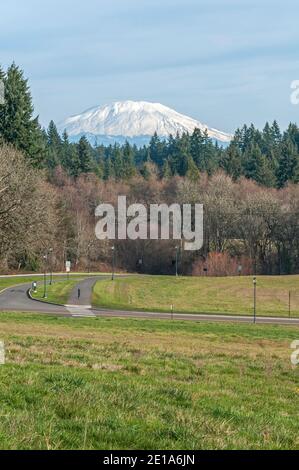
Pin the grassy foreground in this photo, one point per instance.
(130, 384)
(231, 295)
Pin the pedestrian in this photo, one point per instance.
(79, 293)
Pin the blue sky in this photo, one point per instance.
(224, 62)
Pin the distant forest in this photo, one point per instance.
(49, 188)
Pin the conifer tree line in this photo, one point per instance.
(269, 157)
(49, 188)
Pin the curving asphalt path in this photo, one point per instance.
(16, 299)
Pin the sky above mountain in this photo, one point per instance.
(224, 62)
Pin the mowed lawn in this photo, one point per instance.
(58, 292)
(231, 295)
(6, 282)
(134, 384)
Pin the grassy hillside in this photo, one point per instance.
(233, 295)
(112, 383)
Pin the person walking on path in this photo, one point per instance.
(79, 293)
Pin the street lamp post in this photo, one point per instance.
(45, 257)
(254, 299)
(88, 257)
(176, 260)
(51, 265)
(113, 262)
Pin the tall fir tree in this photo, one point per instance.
(288, 163)
(108, 169)
(118, 161)
(156, 149)
(86, 163)
(197, 146)
(166, 170)
(54, 146)
(257, 167)
(230, 161)
(17, 124)
(192, 172)
(129, 168)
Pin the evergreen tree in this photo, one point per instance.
(108, 169)
(293, 133)
(288, 164)
(257, 167)
(276, 133)
(166, 170)
(208, 158)
(117, 160)
(69, 157)
(74, 165)
(238, 139)
(145, 170)
(54, 146)
(192, 171)
(197, 146)
(65, 145)
(230, 161)
(156, 150)
(129, 168)
(54, 139)
(17, 125)
(180, 153)
(86, 164)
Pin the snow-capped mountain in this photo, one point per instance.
(135, 121)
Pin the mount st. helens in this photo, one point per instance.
(135, 122)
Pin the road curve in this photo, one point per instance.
(195, 317)
(16, 299)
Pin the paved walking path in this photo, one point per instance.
(85, 287)
(15, 299)
(79, 303)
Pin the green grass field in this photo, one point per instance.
(58, 292)
(134, 384)
(6, 282)
(231, 295)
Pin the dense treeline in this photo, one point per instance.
(269, 157)
(49, 188)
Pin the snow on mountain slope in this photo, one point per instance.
(134, 119)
